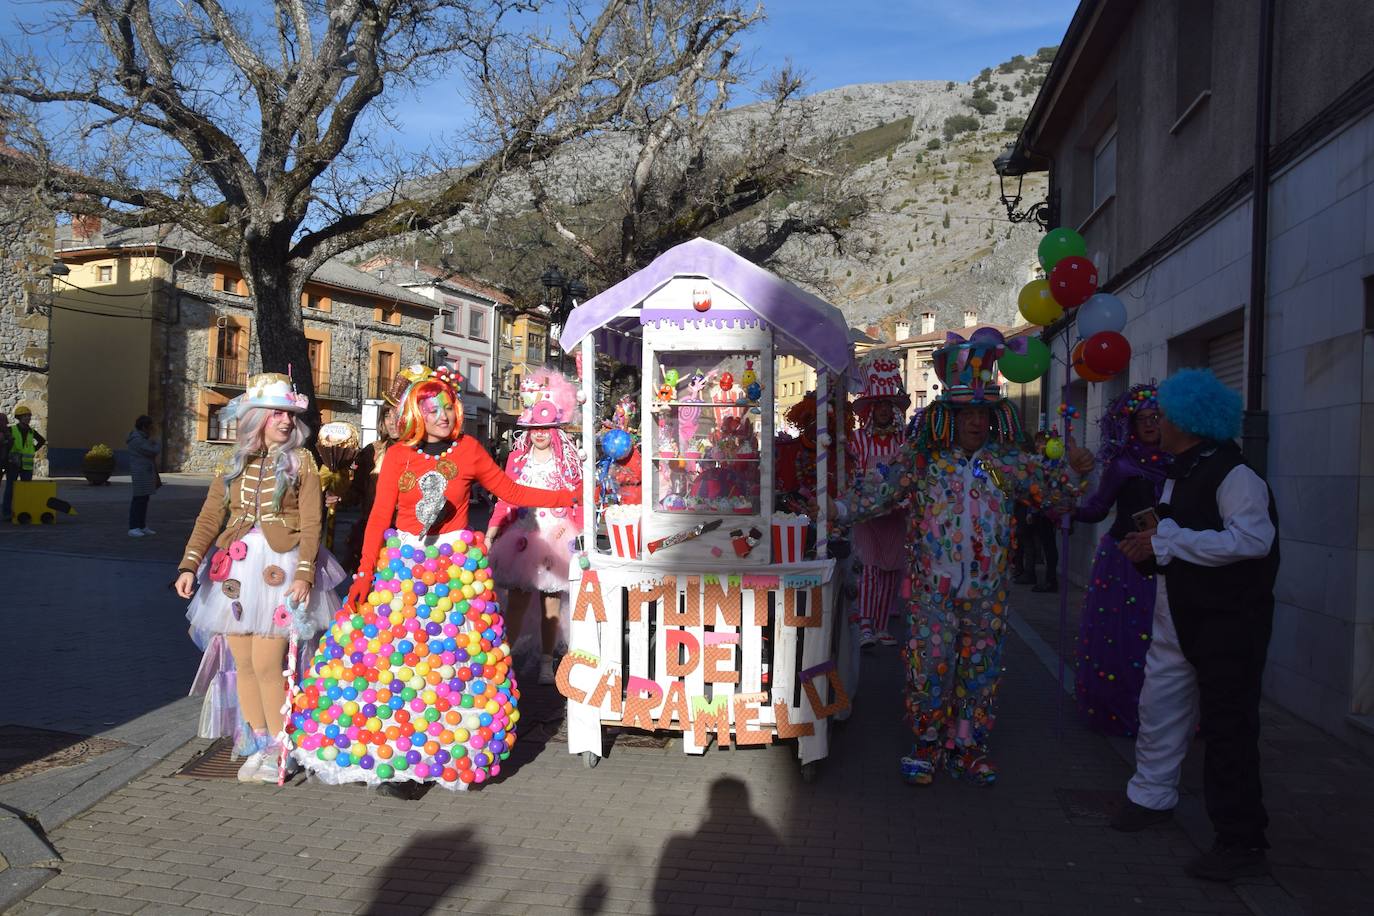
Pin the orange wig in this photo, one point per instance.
(411, 420)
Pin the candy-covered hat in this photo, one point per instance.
(882, 379)
(967, 369)
(272, 391)
(550, 399)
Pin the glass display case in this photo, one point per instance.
(704, 443)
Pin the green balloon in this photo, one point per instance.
(1059, 244)
(1027, 367)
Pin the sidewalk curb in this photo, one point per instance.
(30, 859)
(1190, 815)
(31, 812)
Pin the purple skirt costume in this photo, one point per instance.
(1118, 610)
(1113, 637)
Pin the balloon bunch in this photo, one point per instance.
(1071, 283)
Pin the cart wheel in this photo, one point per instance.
(590, 760)
(810, 771)
(47, 518)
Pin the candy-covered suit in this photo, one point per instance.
(959, 540)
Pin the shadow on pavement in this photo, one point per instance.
(706, 868)
(424, 871)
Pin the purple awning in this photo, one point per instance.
(810, 324)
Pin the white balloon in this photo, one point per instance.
(1102, 312)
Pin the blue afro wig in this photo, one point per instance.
(1197, 402)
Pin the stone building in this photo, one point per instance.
(465, 330)
(26, 232)
(1218, 157)
(156, 321)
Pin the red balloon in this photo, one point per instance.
(1107, 352)
(1081, 369)
(1073, 281)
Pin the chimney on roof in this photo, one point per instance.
(85, 227)
(970, 319)
(874, 331)
(927, 322)
(903, 330)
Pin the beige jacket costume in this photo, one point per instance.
(296, 523)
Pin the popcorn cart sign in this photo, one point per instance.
(700, 610)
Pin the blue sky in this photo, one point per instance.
(834, 42)
(841, 42)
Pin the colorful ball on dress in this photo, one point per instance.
(391, 683)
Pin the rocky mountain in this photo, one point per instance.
(934, 239)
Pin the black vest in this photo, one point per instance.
(1233, 588)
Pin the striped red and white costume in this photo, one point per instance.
(878, 543)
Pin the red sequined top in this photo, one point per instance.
(398, 491)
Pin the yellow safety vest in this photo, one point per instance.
(23, 447)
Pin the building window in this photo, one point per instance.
(1193, 68)
(105, 273)
(231, 282)
(387, 313)
(1104, 168)
(231, 367)
(451, 321)
(536, 347)
(477, 324)
(384, 367)
(476, 382)
(315, 301)
(220, 426)
(518, 344)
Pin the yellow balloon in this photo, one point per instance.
(429, 696)
(374, 724)
(404, 674)
(351, 708)
(444, 604)
(1037, 305)
(422, 669)
(465, 577)
(461, 735)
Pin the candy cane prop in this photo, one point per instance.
(299, 624)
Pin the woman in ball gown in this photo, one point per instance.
(1115, 627)
(255, 552)
(413, 683)
(534, 548)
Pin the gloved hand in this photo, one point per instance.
(358, 592)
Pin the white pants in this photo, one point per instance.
(1168, 714)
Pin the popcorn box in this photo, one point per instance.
(789, 537)
(624, 532)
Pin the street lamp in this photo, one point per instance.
(561, 295)
(1010, 165)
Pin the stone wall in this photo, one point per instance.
(25, 297)
(187, 391)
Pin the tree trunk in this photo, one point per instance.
(281, 327)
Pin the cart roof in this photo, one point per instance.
(805, 324)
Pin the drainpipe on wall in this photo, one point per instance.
(1255, 432)
(173, 296)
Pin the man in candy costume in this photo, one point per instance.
(878, 542)
(963, 472)
(413, 682)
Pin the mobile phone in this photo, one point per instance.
(1146, 519)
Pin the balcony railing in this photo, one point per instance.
(227, 373)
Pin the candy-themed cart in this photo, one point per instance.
(700, 610)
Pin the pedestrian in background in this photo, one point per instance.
(24, 443)
(1215, 552)
(143, 452)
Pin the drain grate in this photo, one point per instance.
(27, 751)
(1091, 806)
(215, 762)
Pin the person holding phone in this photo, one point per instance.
(1118, 609)
(1215, 553)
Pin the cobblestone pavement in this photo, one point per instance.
(650, 831)
(1319, 792)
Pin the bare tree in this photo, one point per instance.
(262, 128)
(758, 177)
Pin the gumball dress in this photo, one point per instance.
(417, 683)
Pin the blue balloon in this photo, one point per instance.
(1102, 312)
(616, 444)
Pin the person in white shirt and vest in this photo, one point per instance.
(25, 441)
(1214, 550)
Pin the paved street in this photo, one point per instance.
(649, 830)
